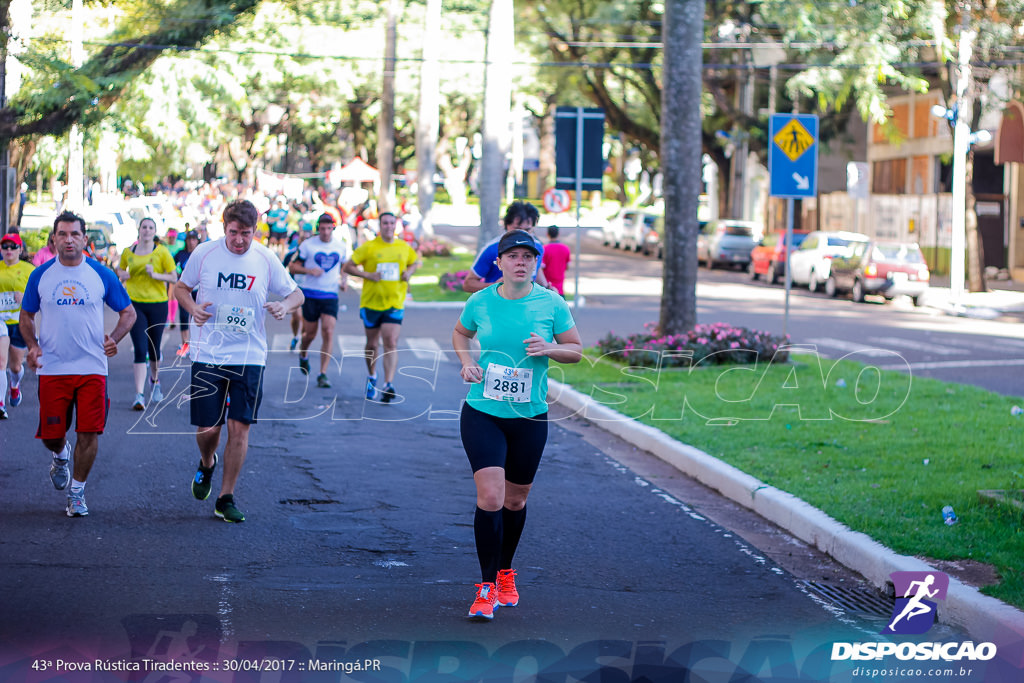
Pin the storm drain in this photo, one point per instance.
(862, 600)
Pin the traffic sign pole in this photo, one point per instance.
(790, 208)
(793, 173)
(578, 144)
(577, 298)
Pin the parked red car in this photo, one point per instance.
(885, 268)
(768, 258)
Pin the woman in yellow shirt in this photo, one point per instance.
(14, 274)
(146, 269)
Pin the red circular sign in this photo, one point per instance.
(556, 201)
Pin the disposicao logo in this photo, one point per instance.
(915, 608)
(913, 614)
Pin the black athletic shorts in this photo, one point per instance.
(314, 307)
(213, 384)
(513, 443)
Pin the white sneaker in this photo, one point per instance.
(60, 473)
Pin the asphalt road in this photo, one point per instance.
(359, 547)
(359, 540)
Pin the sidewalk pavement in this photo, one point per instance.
(985, 618)
(1005, 299)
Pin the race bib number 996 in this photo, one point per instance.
(502, 383)
(236, 318)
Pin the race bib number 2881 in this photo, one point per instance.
(502, 383)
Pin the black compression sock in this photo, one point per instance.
(487, 529)
(512, 522)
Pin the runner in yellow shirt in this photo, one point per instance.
(146, 269)
(14, 274)
(386, 265)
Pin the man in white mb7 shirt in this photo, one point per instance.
(228, 343)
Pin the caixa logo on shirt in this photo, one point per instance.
(235, 281)
(70, 293)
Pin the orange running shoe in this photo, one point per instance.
(486, 601)
(508, 596)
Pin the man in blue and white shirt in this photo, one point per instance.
(69, 351)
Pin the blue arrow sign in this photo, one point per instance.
(793, 155)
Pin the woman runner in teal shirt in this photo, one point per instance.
(504, 426)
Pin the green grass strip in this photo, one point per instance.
(881, 451)
(424, 289)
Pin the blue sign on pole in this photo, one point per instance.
(793, 155)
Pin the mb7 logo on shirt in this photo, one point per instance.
(70, 293)
(235, 280)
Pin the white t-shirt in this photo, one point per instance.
(236, 286)
(329, 257)
(70, 302)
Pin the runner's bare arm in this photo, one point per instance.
(183, 293)
(125, 320)
(352, 269)
(279, 309)
(27, 327)
(473, 283)
(471, 370)
(567, 347)
(411, 269)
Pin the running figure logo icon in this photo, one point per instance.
(914, 611)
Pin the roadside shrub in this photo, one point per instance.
(434, 247)
(708, 344)
(452, 282)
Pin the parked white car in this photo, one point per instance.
(811, 263)
(124, 229)
(613, 232)
(635, 233)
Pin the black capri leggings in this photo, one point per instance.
(512, 443)
(148, 330)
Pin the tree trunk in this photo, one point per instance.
(497, 97)
(428, 125)
(546, 171)
(386, 122)
(975, 252)
(681, 155)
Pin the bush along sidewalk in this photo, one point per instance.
(708, 344)
(877, 449)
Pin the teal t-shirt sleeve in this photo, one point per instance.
(468, 317)
(563, 321)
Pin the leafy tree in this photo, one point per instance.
(62, 95)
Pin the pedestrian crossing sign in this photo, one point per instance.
(793, 155)
(793, 139)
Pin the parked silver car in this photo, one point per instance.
(727, 242)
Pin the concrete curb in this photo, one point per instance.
(985, 618)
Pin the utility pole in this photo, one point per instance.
(428, 124)
(5, 153)
(961, 148)
(386, 122)
(497, 97)
(76, 154)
